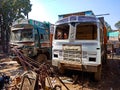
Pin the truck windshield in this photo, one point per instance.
(22, 35)
(15, 35)
(86, 31)
(26, 35)
(62, 31)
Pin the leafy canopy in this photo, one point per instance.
(108, 27)
(117, 25)
(12, 10)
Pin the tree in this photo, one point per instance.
(12, 10)
(117, 25)
(108, 27)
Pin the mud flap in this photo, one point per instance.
(60, 68)
(97, 75)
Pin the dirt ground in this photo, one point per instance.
(110, 75)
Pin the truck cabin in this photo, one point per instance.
(78, 44)
(32, 37)
(22, 34)
(27, 33)
(84, 31)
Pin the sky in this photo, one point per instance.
(48, 10)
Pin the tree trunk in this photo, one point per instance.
(2, 35)
(5, 38)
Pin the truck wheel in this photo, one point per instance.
(41, 58)
(97, 75)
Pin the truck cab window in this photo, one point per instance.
(86, 32)
(15, 35)
(62, 32)
(26, 34)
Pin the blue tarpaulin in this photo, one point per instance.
(113, 34)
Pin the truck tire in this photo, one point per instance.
(97, 75)
(41, 58)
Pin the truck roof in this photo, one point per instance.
(20, 23)
(77, 19)
(83, 13)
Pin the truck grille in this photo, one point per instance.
(72, 53)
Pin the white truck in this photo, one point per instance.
(79, 43)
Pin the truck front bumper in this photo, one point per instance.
(62, 64)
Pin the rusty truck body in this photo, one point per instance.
(32, 38)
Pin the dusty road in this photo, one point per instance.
(110, 75)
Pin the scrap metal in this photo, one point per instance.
(42, 70)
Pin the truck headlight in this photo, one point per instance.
(57, 53)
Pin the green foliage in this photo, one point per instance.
(14, 9)
(117, 25)
(11, 10)
(47, 24)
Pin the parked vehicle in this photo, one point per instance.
(32, 38)
(79, 43)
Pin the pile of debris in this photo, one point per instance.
(32, 75)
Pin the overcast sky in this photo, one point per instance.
(48, 10)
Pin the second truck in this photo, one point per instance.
(32, 38)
